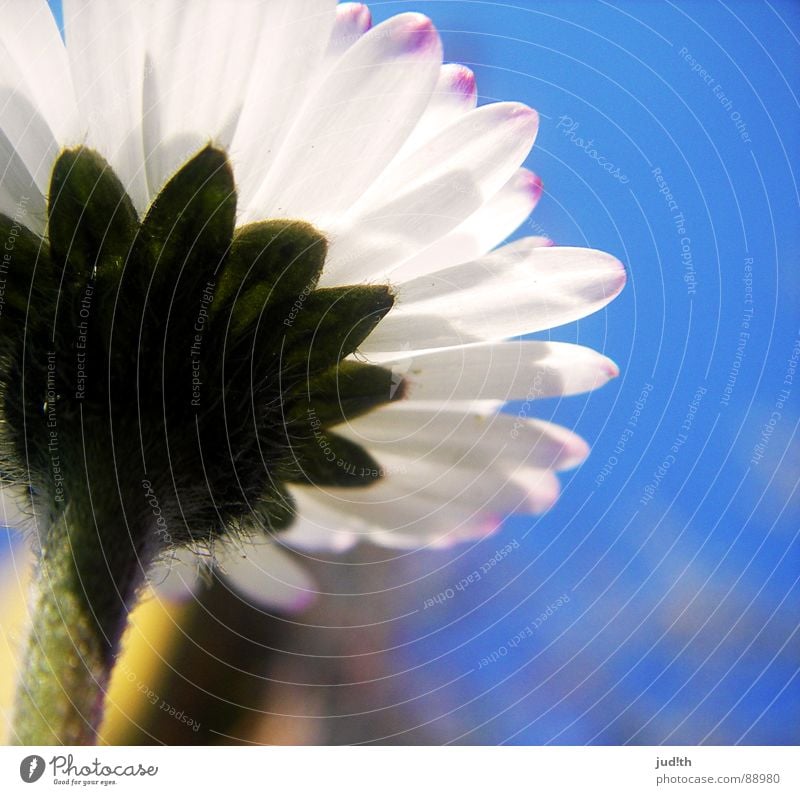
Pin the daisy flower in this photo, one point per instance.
(253, 300)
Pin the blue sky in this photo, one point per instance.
(677, 540)
(669, 137)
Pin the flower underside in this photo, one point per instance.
(179, 351)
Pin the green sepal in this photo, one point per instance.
(275, 510)
(189, 320)
(331, 324)
(24, 256)
(330, 460)
(271, 263)
(91, 220)
(346, 392)
(91, 226)
(185, 237)
(189, 227)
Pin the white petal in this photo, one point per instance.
(24, 125)
(493, 222)
(489, 142)
(441, 498)
(30, 38)
(353, 20)
(106, 47)
(266, 574)
(470, 302)
(518, 370)
(285, 70)
(21, 198)
(355, 122)
(456, 437)
(489, 487)
(37, 110)
(315, 528)
(454, 95)
(432, 191)
(447, 532)
(421, 522)
(395, 513)
(370, 246)
(197, 71)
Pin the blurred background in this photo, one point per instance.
(658, 601)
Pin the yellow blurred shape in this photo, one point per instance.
(152, 631)
(15, 576)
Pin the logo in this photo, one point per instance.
(31, 768)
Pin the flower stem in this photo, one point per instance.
(87, 574)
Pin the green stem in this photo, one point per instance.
(88, 572)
